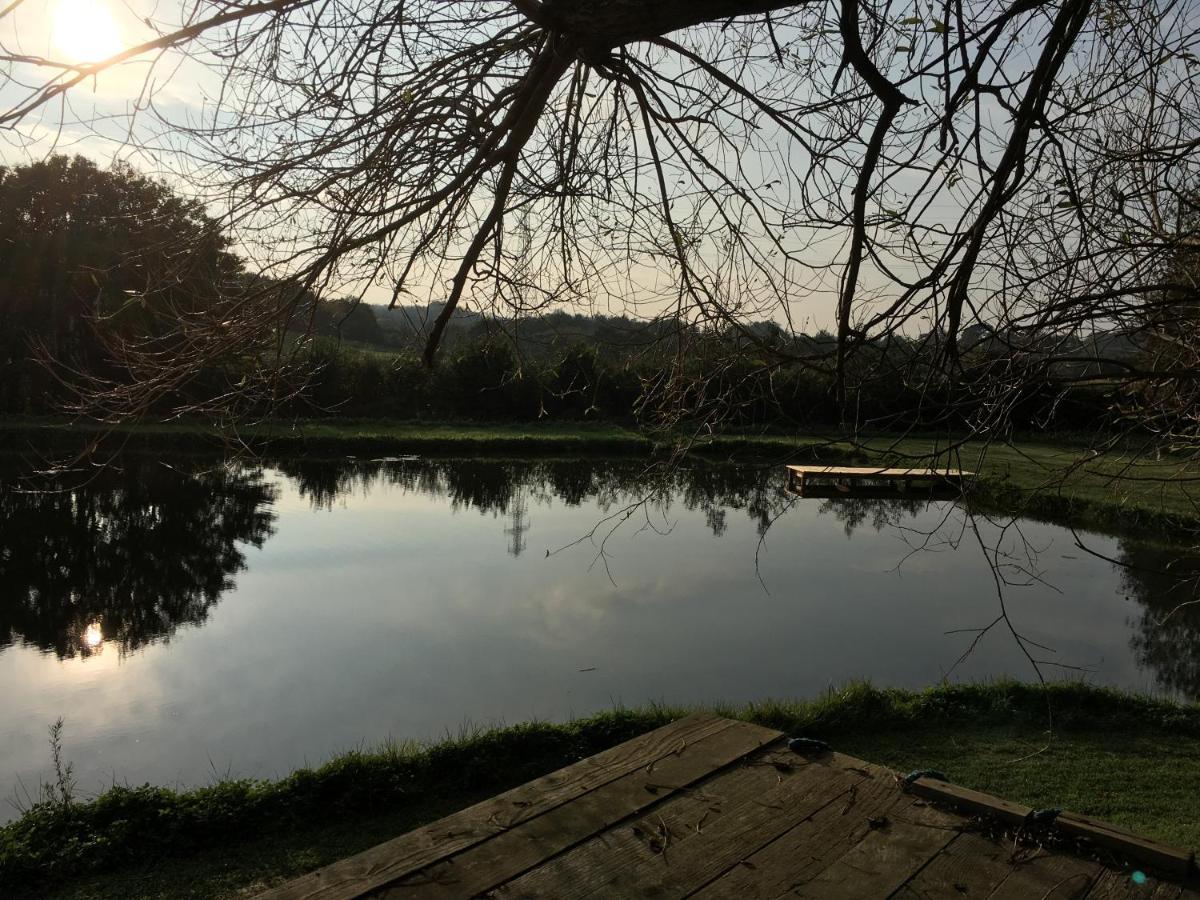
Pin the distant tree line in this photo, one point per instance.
(91, 261)
(488, 379)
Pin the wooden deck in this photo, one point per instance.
(802, 478)
(709, 807)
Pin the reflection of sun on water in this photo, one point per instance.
(84, 30)
(93, 637)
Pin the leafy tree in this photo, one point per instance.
(93, 258)
(1167, 399)
(124, 556)
(343, 319)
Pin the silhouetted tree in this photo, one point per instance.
(125, 554)
(915, 169)
(92, 260)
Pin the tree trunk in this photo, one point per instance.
(610, 23)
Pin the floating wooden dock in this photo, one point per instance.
(802, 478)
(709, 807)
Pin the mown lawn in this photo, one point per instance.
(1122, 487)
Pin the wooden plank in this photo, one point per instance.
(1131, 846)
(970, 865)
(523, 847)
(875, 472)
(884, 860)
(683, 816)
(1171, 860)
(1114, 885)
(1048, 876)
(694, 838)
(967, 800)
(389, 861)
(804, 851)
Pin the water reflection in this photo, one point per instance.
(124, 555)
(881, 513)
(406, 598)
(1161, 579)
(1166, 637)
(127, 555)
(507, 487)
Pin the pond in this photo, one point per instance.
(190, 619)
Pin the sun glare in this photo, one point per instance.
(84, 30)
(93, 636)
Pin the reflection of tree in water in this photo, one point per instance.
(854, 512)
(1166, 639)
(519, 524)
(503, 487)
(125, 554)
(498, 486)
(140, 549)
(715, 489)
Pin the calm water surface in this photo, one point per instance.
(189, 619)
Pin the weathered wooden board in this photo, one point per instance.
(1048, 876)
(526, 845)
(687, 816)
(875, 472)
(1163, 857)
(713, 808)
(882, 862)
(381, 865)
(748, 811)
(969, 801)
(801, 853)
(969, 865)
(1113, 885)
(1173, 860)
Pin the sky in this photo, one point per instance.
(106, 118)
(100, 116)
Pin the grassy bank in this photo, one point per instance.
(1131, 760)
(1058, 480)
(337, 438)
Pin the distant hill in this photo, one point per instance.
(407, 327)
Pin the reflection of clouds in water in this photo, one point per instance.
(165, 548)
(921, 531)
(564, 611)
(383, 611)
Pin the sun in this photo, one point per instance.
(85, 31)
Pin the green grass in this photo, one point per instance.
(340, 436)
(1059, 478)
(254, 860)
(1147, 782)
(1131, 760)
